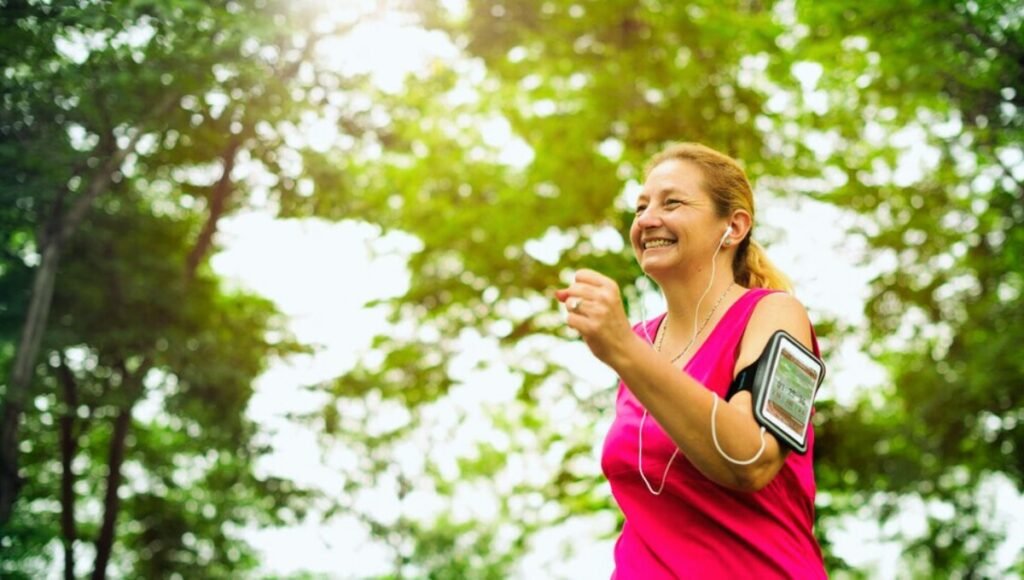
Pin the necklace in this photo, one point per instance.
(662, 331)
(664, 327)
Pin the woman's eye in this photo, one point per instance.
(640, 209)
(673, 202)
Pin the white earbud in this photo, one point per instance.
(725, 241)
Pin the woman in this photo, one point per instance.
(698, 506)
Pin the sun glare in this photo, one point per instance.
(385, 42)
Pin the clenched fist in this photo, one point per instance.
(596, 312)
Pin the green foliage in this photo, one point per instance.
(136, 325)
(580, 82)
(556, 73)
(945, 320)
(190, 475)
(591, 88)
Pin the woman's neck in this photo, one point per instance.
(683, 294)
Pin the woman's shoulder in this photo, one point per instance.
(774, 311)
(780, 308)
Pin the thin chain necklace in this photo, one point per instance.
(663, 330)
(640, 436)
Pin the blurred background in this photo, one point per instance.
(276, 277)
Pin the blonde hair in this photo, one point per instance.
(727, 185)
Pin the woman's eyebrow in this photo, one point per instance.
(671, 189)
(664, 192)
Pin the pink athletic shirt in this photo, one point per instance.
(697, 528)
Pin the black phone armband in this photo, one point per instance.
(783, 383)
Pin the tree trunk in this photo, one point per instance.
(21, 376)
(63, 227)
(68, 451)
(112, 503)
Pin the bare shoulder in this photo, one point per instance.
(776, 311)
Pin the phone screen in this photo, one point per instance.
(791, 391)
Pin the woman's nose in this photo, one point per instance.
(648, 218)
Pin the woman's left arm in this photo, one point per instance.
(681, 405)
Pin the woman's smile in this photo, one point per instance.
(658, 243)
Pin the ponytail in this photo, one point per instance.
(753, 269)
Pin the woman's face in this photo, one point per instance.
(676, 228)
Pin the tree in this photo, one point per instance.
(130, 332)
(591, 90)
(801, 95)
(31, 143)
(953, 298)
(141, 102)
(154, 89)
(534, 135)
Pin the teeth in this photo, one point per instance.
(657, 244)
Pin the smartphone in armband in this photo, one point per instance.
(783, 382)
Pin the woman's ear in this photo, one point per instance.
(739, 227)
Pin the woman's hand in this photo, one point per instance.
(596, 312)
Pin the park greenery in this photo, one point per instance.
(130, 130)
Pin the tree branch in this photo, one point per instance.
(132, 385)
(104, 177)
(218, 206)
(68, 452)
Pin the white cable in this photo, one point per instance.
(643, 311)
(640, 461)
(711, 282)
(640, 434)
(643, 419)
(714, 437)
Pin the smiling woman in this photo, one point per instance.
(718, 493)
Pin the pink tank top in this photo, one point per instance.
(697, 528)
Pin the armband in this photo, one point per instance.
(783, 383)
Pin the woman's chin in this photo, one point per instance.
(655, 265)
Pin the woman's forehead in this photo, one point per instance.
(673, 176)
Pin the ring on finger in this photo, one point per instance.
(575, 306)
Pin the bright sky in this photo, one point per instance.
(321, 274)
